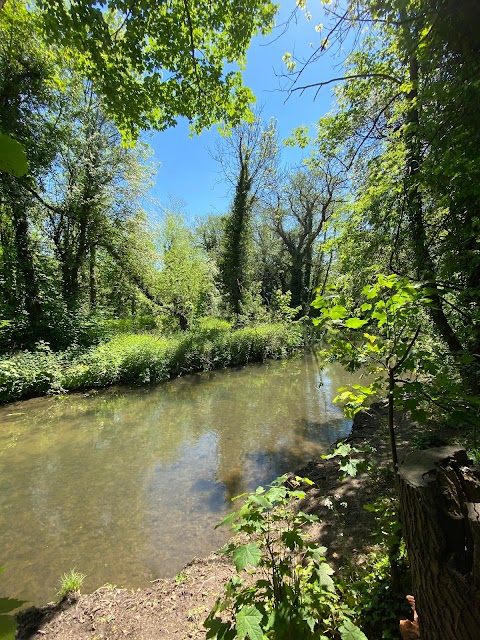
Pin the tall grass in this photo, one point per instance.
(144, 358)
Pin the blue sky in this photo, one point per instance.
(188, 172)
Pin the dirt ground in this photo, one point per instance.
(176, 610)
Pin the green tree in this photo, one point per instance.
(248, 159)
(155, 62)
(271, 260)
(97, 187)
(407, 122)
(305, 207)
(185, 281)
(26, 71)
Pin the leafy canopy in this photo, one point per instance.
(153, 61)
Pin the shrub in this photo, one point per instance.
(30, 373)
(143, 358)
(293, 594)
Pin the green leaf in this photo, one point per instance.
(248, 624)
(324, 571)
(337, 312)
(246, 554)
(8, 628)
(366, 306)
(355, 323)
(261, 501)
(292, 539)
(349, 631)
(370, 291)
(349, 467)
(13, 159)
(9, 604)
(276, 493)
(228, 520)
(318, 303)
(218, 629)
(381, 317)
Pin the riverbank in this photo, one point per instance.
(143, 358)
(175, 609)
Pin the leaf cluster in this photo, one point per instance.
(382, 338)
(293, 594)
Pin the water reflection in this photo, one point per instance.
(126, 484)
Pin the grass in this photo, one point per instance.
(143, 358)
(181, 577)
(70, 582)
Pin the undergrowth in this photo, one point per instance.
(143, 358)
(292, 592)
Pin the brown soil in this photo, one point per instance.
(169, 610)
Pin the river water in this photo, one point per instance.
(126, 485)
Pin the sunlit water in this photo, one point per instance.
(126, 485)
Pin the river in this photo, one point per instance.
(126, 484)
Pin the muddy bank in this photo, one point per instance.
(176, 609)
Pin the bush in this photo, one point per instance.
(143, 358)
(293, 594)
(29, 373)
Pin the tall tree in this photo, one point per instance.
(406, 108)
(26, 70)
(305, 207)
(248, 158)
(97, 186)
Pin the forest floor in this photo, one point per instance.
(175, 609)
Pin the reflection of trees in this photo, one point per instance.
(93, 479)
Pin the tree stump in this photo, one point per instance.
(440, 512)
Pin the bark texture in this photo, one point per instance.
(440, 511)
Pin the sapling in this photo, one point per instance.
(381, 339)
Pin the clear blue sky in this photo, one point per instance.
(187, 170)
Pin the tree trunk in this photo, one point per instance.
(440, 511)
(93, 278)
(296, 281)
(26, 267)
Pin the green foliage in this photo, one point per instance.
(70, 582)
(153, 64)
(281, 307)
(185, 282)
(13, 159)
(352, 459)
(475, 455)
(379, 607)
(415, 195)
(211, 326)
(293, 594)
(307, 203)
(390, 321)
(251, 307)
(382, 338)
(428, 440)
(29, 373)
(248, 158)
(143, 358)
(8, 624)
